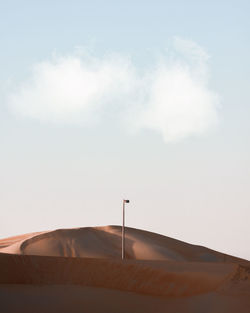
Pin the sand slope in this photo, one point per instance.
(82, 299)
(80, 270)
(158, 278)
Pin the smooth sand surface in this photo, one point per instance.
(81, 299)
(80, 270)
(105, 242)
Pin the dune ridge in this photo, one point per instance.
(156, 278)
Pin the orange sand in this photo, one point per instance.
(80, 270)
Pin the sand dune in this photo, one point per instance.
(105, 242)
(84, 267)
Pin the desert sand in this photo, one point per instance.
(80, 270)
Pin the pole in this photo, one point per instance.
(123, 229)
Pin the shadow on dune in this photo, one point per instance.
(82, 242)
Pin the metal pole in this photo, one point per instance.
(123, 229)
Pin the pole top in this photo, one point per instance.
(126, 201)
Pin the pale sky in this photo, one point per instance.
(145, 100)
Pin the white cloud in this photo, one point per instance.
(180, 103)
(72, 89)
(173, 99)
